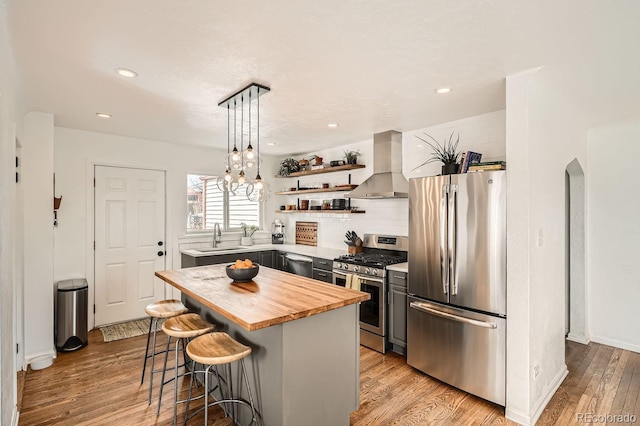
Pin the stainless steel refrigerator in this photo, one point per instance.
(456, 320)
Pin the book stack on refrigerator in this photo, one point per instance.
(488, 165)
(469, 158)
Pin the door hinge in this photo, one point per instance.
(17, 344)
(94, 182)
(94, 245)
(94, 308)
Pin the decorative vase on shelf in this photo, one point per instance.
(246, 241)
(450, 169)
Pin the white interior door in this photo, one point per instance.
(129, 241)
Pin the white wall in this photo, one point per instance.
(76, 153)
(544, 134)
(614, 235)
(37, 178)
(484, 133)
(8, 234)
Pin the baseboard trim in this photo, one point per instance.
(578, 338)
(616, 343)
(527, 420)
(517, 417)
(15, 417)
(549, 392)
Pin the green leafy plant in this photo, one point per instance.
(288, 166)
(447, 153)
(351, 157)
(248, 230)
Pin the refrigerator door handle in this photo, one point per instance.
(444, 267)
(421, 307)
(453, 225)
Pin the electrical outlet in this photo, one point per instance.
(536, 371)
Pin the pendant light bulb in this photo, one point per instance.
(250, 154)
(241, 178)
(258, 182)
(227, 175)
(235, 156)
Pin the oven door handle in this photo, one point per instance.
(362, 277)
(375, 280)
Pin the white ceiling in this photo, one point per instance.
(368, 65)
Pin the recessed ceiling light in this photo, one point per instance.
(271, 143)
(103, 115)
(126, 72)
(332, 125)
(443, 90)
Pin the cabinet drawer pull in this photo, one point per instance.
(323, 263)
(321, 274)
(400, 277)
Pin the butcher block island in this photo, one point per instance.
(304, 335)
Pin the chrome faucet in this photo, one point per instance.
(217, 235)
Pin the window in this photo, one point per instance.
(207, 205)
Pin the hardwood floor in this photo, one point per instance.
(100, 385)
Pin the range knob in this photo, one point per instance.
(367, 271)
(345, 266)
(375, 272)
(356, 268)
(337, 265)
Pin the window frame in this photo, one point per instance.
(225, 210)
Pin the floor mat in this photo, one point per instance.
(124, 330)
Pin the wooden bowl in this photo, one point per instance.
(242, 275)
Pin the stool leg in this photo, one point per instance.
(175, 385)
(164, 370)
(146, 352)
(246, 382)
(153, 358)
(206, 395)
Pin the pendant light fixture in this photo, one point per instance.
(241, 163)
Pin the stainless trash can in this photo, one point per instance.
(71, 324)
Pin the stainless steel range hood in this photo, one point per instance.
(387, 180)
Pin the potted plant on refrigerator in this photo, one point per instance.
(447, 153)
(351, 157)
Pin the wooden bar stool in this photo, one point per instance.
(183, 327)
(217, 349)
(156, 311)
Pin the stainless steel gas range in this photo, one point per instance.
(369, 267)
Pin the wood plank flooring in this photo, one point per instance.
(100, 385)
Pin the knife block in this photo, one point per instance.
(354, 249)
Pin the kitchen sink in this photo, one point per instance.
(215, 249)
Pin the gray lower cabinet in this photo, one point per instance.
(267, 258)
(281, 261)
(398, 311)
(191, 261)
(322, 270)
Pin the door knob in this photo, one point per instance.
(160, 243)
(161, 253)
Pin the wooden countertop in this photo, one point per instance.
(273, 297)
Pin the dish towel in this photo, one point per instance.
(349, 282)
(355, 283)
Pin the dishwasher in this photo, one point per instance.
(299, 265)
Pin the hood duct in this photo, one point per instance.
(387, 180)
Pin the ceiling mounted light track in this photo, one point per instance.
(240, 164)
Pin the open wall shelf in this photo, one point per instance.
(325, 170)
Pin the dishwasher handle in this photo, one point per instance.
(298, 258)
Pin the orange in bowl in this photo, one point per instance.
(242, 273)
